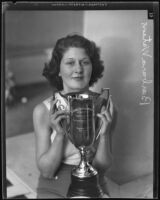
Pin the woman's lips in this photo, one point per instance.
(78, 78)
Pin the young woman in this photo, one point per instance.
(74, 67)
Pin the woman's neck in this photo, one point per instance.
(64, 91)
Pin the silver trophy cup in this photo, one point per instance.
(81, 131)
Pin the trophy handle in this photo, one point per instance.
(65, 124)
(105, 102)
(65, 127)
(99, 129)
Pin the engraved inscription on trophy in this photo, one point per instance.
(82, 126)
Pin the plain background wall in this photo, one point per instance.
(29, 34)
(120, 36)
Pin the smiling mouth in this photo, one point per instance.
(78, 78)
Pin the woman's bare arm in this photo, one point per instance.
(48, 155)
(103, 157)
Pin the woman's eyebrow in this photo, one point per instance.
(86, 58)
(70, 58)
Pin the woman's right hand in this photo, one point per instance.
(55, 118)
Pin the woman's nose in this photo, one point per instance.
(79, 67)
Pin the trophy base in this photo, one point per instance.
(85, 187)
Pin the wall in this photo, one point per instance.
(129, 75)
(29, 35)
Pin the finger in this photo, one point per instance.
(59, 118)
(104, 124)
(103, 117)
(59, 113)
(55, 121)
(103, 108)
(111, 107)
(107, 115)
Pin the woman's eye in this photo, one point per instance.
(86, 62)
(70, 63)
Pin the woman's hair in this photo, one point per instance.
(51, 69)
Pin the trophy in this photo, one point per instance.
(81, 131)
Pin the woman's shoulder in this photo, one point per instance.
(43, 107)
(39, 110)
(47, 102)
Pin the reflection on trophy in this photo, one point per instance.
(81, 132)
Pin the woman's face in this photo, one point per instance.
(75, 70)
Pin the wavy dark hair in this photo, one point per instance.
(52, 68)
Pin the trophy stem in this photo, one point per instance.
(84, 169)
(83, 161)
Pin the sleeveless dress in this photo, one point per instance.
(57, 187)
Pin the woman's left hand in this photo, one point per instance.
(106, 116)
